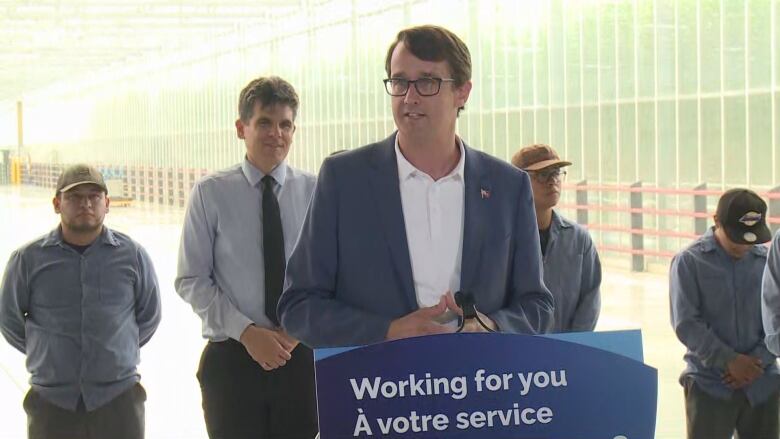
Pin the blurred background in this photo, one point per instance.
(660, 104)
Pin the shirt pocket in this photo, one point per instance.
(569, 273)
(716, 296)
(117, 285)
(56, 285)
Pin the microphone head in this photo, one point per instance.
(463, 298)
(467, 303)
(459, 299)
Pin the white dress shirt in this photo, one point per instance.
(220, 271)
(433, 215)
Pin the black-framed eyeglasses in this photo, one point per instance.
(424, 86)
(549, 175)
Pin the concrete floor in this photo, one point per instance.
(169, 361)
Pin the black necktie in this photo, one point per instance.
(273, 249)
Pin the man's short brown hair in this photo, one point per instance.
(435, 43)
(268, 91)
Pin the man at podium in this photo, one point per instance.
(396, 227)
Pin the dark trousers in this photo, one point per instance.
(241, 400)
(713, 418)
(122, 418)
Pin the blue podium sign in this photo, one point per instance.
(489, 386)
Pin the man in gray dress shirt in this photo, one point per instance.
(572, 269)
(256, 380)
(79, 302)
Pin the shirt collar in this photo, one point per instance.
(406, 169)
(108, 237)
(709, 243)
(254, 175)
(54, 238)
(558, 223)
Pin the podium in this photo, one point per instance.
(497, 386)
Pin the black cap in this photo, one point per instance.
(742, 214)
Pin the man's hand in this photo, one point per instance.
(270, 349)
(742, 370)
(470, 325)
(292, 342)
(420, 322)
(731, 382)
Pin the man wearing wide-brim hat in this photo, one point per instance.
(572, 270)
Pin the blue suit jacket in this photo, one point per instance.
(350, 274)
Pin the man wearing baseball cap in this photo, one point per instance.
(79, 302)
(572, 270)
(731, 381)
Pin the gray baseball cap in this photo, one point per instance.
(79, 174)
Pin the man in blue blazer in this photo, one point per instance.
(396, 227)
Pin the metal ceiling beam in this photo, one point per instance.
(46, 41)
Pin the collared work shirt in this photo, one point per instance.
(716, 313)
(220, 270)
(80, 318)
(770, 293)
(572, 272)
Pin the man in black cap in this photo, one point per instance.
(731, 381)
(572, 269)
(79, 302)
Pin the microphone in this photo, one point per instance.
(468, 304)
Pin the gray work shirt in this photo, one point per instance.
(572, 273)
(770, 293)
(716, 313)
(220, 270)
(80, 318)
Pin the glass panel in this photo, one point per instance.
(734, 46)
(734, 146)
(646, 126)
(689, 159)
(627, 144)
(709, 36)
(567, 73)
(760, 153)
(711, 141)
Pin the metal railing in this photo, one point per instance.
(637, 210)
(171, 186)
